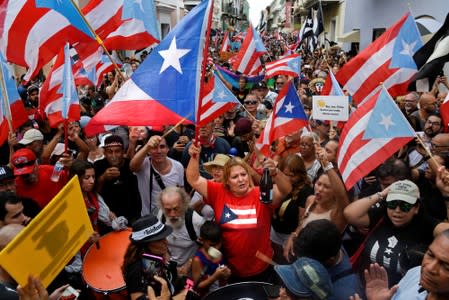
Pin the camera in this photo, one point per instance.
(153, 265)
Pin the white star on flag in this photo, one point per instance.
(386, 121)
(408, 48)
(221, 95)
(228, 215)
(171, 56)
(289, 107)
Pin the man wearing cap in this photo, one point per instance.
(264, 93)
(33, 180)
(305, 278)
(117, 184)
(211, 145)
(151, 163)
(33, 139)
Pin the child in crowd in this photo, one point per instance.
(208, 266)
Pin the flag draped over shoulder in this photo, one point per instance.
(388, 60)
(288, 116)
(289, 66)
(431, 58)
(166, 86)
(18, 113)
(32, 35)
(247, 60)
(374, 132)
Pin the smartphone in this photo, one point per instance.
(152, 265)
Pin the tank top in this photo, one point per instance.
(310, 216)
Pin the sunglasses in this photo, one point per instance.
(250, 102)
(403, 206)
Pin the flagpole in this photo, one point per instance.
(421, 142)
(176, 125)
(6, 100)
(203, 73)
(99, 40)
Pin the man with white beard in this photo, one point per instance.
(186, 224)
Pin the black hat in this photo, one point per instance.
(6, 173)
(149, 229)
(261, 85)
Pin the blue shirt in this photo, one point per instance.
(409, 286)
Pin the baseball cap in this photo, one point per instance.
(404, 190)
(5, 173)
(306, 277)
(30, 136)
(261, 85)
(23, 161)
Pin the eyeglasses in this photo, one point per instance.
(436, 123)
(250, 102)
(403, 206)
(304, 145)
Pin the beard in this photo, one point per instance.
(176, 222)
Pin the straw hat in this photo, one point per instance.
(220, 160)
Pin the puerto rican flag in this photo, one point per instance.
(288, 116)
(165, 89)
(33, 32)
(289, 66)
(331, 86)
(374, 132)
(16, 111)
(247, 60)
(218, 100)
(444, 112)
(388, 60)
(239, 216)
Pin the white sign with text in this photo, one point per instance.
(332, 108)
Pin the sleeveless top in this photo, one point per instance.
(310, 216)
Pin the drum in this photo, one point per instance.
(240, 291)
(102, 266)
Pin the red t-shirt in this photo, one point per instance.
(245, 223)
(44, 189)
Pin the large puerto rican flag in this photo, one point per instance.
(388, 60)
(374, 132)
(166, 87)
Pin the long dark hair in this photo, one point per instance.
(132, 254)
(295, 164)
(79, 168)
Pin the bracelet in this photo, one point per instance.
(328, 167)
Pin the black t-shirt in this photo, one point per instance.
(387, 242)
(431, 198)
(289, 220)
(120, 194)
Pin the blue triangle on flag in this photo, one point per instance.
(407, 42)
(227, 215)
(386, 120)
(171, 73)
(292, 106)
(221, 92)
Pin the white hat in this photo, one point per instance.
(30, 136)
(403, 190)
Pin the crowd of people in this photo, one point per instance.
(193, 202)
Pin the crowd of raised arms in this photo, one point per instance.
(190, 204)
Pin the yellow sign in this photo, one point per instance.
(50, 241)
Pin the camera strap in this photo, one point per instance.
(159, 181)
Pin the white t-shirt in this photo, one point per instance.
(173, 178)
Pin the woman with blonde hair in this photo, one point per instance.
(245, 221)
